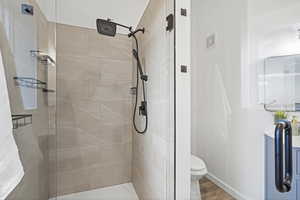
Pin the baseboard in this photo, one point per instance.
(235, 194)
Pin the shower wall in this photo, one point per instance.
(18, 35)
(94, 110)
(152, 166)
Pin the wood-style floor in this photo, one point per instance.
(210, 191)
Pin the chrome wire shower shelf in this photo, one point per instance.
(32, 83)
(21, 120)
(42, 57)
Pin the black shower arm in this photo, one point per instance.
(132, 33)
(283, 184)
(124, 26)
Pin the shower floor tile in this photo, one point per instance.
(118, 192)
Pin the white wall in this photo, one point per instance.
(228, 122)
(84, 13)
(48, 8)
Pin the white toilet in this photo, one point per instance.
(198, 170)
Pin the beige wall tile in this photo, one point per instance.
(71, 40)
(112, 92)
(152, 155)
(113, 133)
(94, 133)
(117, 48)
(78, 68)
(72, 181)
(73, 137)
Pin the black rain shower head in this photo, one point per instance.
(106, 27)
(109, 28)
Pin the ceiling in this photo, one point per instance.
(84, 13)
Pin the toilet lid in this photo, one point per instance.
(197, 164)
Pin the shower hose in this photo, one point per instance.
(143, 108)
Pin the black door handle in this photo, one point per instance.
(283, 181)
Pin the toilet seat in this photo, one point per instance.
(198, 167)
(198, 171)
(197, 164)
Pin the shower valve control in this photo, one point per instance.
(144, 78)
(143, 108)
(170, 22)
(27, 9)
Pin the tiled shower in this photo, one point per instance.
(80, 137)
(94, 135)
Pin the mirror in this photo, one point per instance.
(282, 83)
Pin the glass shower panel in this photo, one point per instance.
(26, 37)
